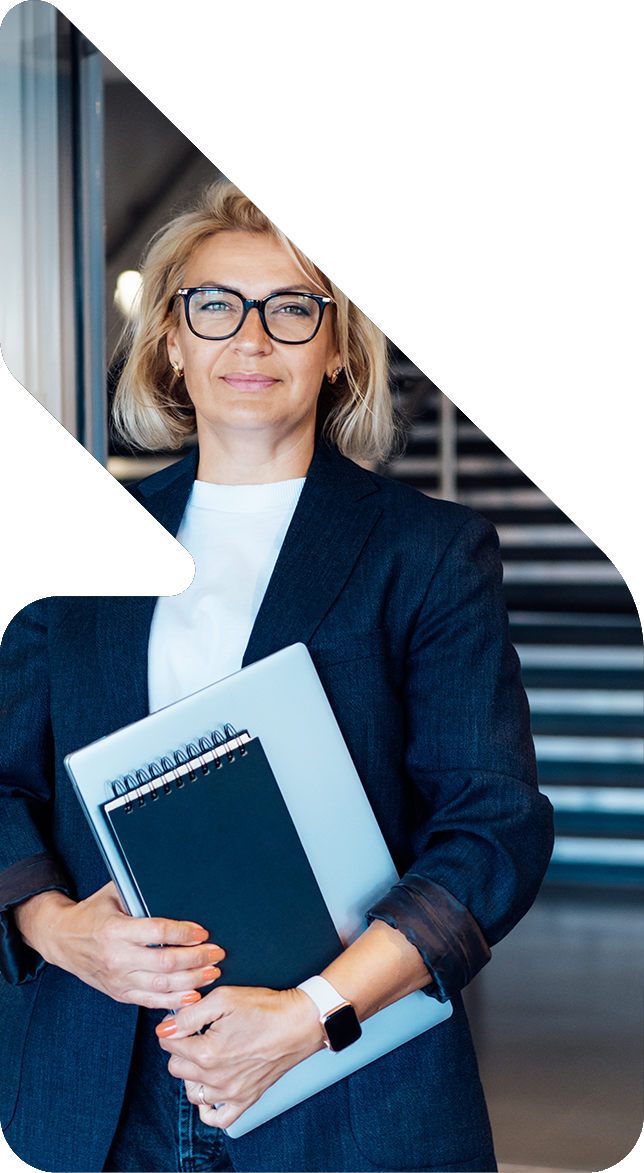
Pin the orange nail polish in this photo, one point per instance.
(201, 934)
(192, 997)
(213, 954)
(165, 1029)
(210, 973)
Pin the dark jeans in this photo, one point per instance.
(159, 1130)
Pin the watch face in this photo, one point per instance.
(342, 1028)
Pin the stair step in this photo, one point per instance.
(599, 701)
(420, 466)
(564, 572)
(573, 619)
(421, 432)
(615, 800)
(542, 535)
(502, 498)
(618, 852)
(589, 749)
(580, 656)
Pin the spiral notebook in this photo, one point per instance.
(263, 741)
(199, 841)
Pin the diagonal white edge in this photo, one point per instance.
(526, 257)
(500, 327)
(67, 527)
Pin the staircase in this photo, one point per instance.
(574, 625)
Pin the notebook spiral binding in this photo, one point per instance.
(158, 776)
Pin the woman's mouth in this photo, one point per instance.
(248, 381)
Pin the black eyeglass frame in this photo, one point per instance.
(252, 303)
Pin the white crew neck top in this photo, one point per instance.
(235, 534)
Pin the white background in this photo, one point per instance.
(481, 160)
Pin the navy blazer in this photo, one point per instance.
(398, 598)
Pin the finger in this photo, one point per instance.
(177, 959)
(170, 1001)
(156, 930)
(222, 1116)
(213, 1111)
(185, 980)
(196, 1075)
(208, 1011)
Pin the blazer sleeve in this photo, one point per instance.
(484, 834)
(28, 864)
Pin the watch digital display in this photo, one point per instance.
(342, 1028)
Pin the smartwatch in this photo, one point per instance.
(338, 1017)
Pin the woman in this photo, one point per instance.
(398, 598)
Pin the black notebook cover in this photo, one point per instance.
(221, 849)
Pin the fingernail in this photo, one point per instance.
(164, 1030)
(201, 934)
(214, 954)
(193, 997)
(210, 973)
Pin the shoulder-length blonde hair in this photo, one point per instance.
(152, 407)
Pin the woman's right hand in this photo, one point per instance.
(109, 950)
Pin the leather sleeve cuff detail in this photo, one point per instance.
(30, 876)
(38, 873)
(445, 933)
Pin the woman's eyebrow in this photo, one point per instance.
(298, 287)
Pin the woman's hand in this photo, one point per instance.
(104, 947)
(254, 1037)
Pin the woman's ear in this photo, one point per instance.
(334, 363)
(174, 350)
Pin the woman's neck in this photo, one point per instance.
(250, 457)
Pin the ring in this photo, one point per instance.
(201, 1098)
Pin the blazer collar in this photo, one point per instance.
(335, 514)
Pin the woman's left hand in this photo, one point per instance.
(255, 1035)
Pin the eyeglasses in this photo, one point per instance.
(216, 313)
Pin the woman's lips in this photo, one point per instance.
(248, 382)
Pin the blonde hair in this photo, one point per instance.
(152, 408)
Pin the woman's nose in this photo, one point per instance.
(252, 337)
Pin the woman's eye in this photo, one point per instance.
(293, 308)
(216, 306)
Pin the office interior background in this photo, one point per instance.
(90, 169)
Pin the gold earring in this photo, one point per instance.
(334, 376)
(176, 368)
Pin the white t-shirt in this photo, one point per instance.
(235, 534)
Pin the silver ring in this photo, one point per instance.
(201, 1098)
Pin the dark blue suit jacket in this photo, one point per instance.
(399, 600)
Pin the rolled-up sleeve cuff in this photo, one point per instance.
(445, 933)
(39, 873)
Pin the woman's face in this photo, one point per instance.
(249, 381)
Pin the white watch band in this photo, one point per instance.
(321, 992)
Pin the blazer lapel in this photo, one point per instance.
(336, 512)
(124, 622)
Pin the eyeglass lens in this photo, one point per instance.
(290, 317)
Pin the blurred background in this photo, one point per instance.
(90, 170)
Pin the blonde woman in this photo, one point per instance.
(398, 597)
